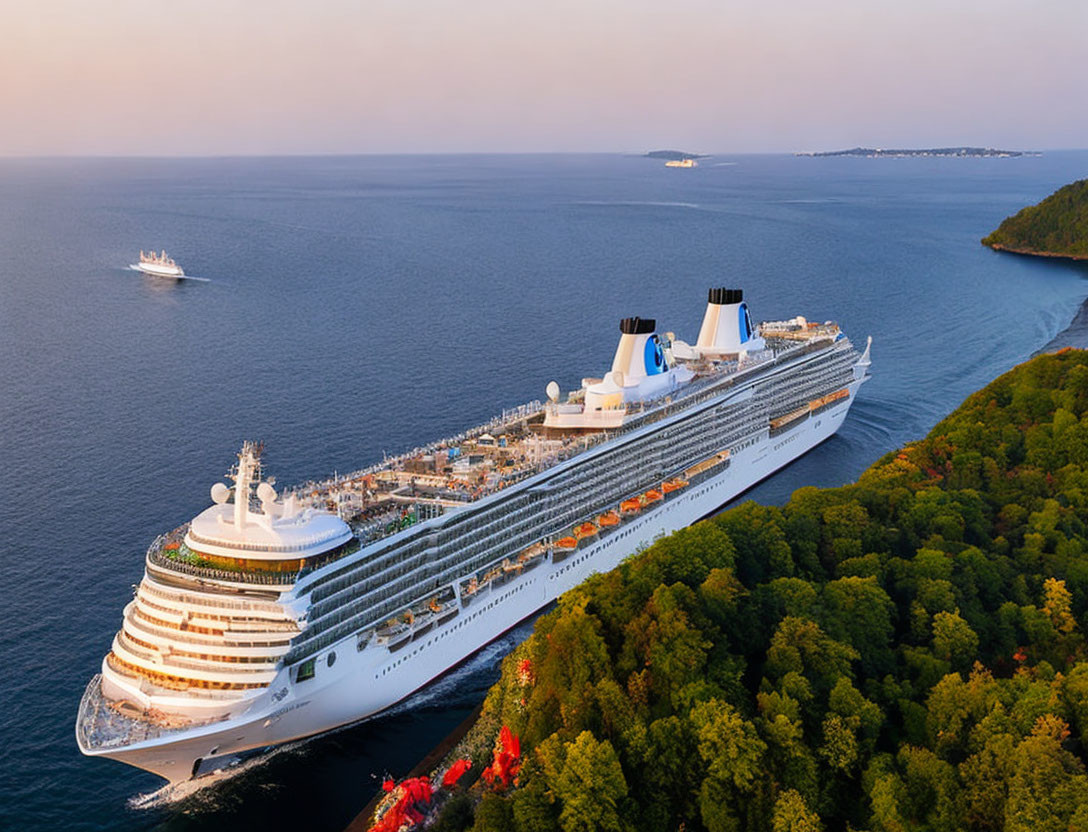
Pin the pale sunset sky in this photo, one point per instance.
(127, 77)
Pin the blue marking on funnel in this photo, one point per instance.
(654, 357)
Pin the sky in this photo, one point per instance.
(224, 77)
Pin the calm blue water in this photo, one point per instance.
(362, 305)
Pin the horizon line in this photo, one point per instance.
(356, 154)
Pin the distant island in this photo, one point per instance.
(958, 152)
(673, 155)
(1056, 227)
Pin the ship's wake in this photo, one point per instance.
(202, 792)
(172, 277)
(470, 680)
(637, 203)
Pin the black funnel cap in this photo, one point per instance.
(637, 326)
(724, 296)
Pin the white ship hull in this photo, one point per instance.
(156, 270)
(362, 683)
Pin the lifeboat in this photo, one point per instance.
(396, 631)
(531, 556)
(585, 530)
(788, 419)
(630, 507)
(670, 487)
(608, 520)
(563, 547)
(830, 398)
(441, 610)
(651, 496)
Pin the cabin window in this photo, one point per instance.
(332, 658)
(305, 671)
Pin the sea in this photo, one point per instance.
(351, 307)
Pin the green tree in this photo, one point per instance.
(494, 813)
(590, 787)
(954, 640)
(792, 815)
(733, 755)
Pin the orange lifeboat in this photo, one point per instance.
(608, 520)
(673, 485)
(631, 506)
(585, 530)
(566, 543)
(651, 496)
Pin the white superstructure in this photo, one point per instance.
(275, 616)
(159, 265)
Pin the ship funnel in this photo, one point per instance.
(639, 353)
(727, 326)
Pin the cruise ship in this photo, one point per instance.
(158, 265)
(277, 615)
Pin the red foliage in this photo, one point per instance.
(525, 672)
(455, 773)
(507, 761)
(404, 811)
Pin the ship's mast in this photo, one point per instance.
(245, 474)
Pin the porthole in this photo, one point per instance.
(332, 658)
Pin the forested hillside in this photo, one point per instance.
(1057, 226)
(905, 653)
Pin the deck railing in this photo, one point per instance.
(156, 556)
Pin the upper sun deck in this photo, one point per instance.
(306, 534)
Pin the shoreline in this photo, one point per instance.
(1027, 252)
(362, 821)
(1075, 333)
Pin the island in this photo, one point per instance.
(953, 152)
(673, 155)
(1056, 227)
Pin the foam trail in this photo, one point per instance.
(179, 277)
(634, 203)
(454, 682)
(173, 793)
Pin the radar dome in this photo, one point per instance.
(266, 493)
(552, 390)
(220, 493)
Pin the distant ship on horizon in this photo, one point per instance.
(158, 265)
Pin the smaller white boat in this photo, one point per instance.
(681, 163)
(159, 265)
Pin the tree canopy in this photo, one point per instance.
(1057, 225)
(904, 653)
